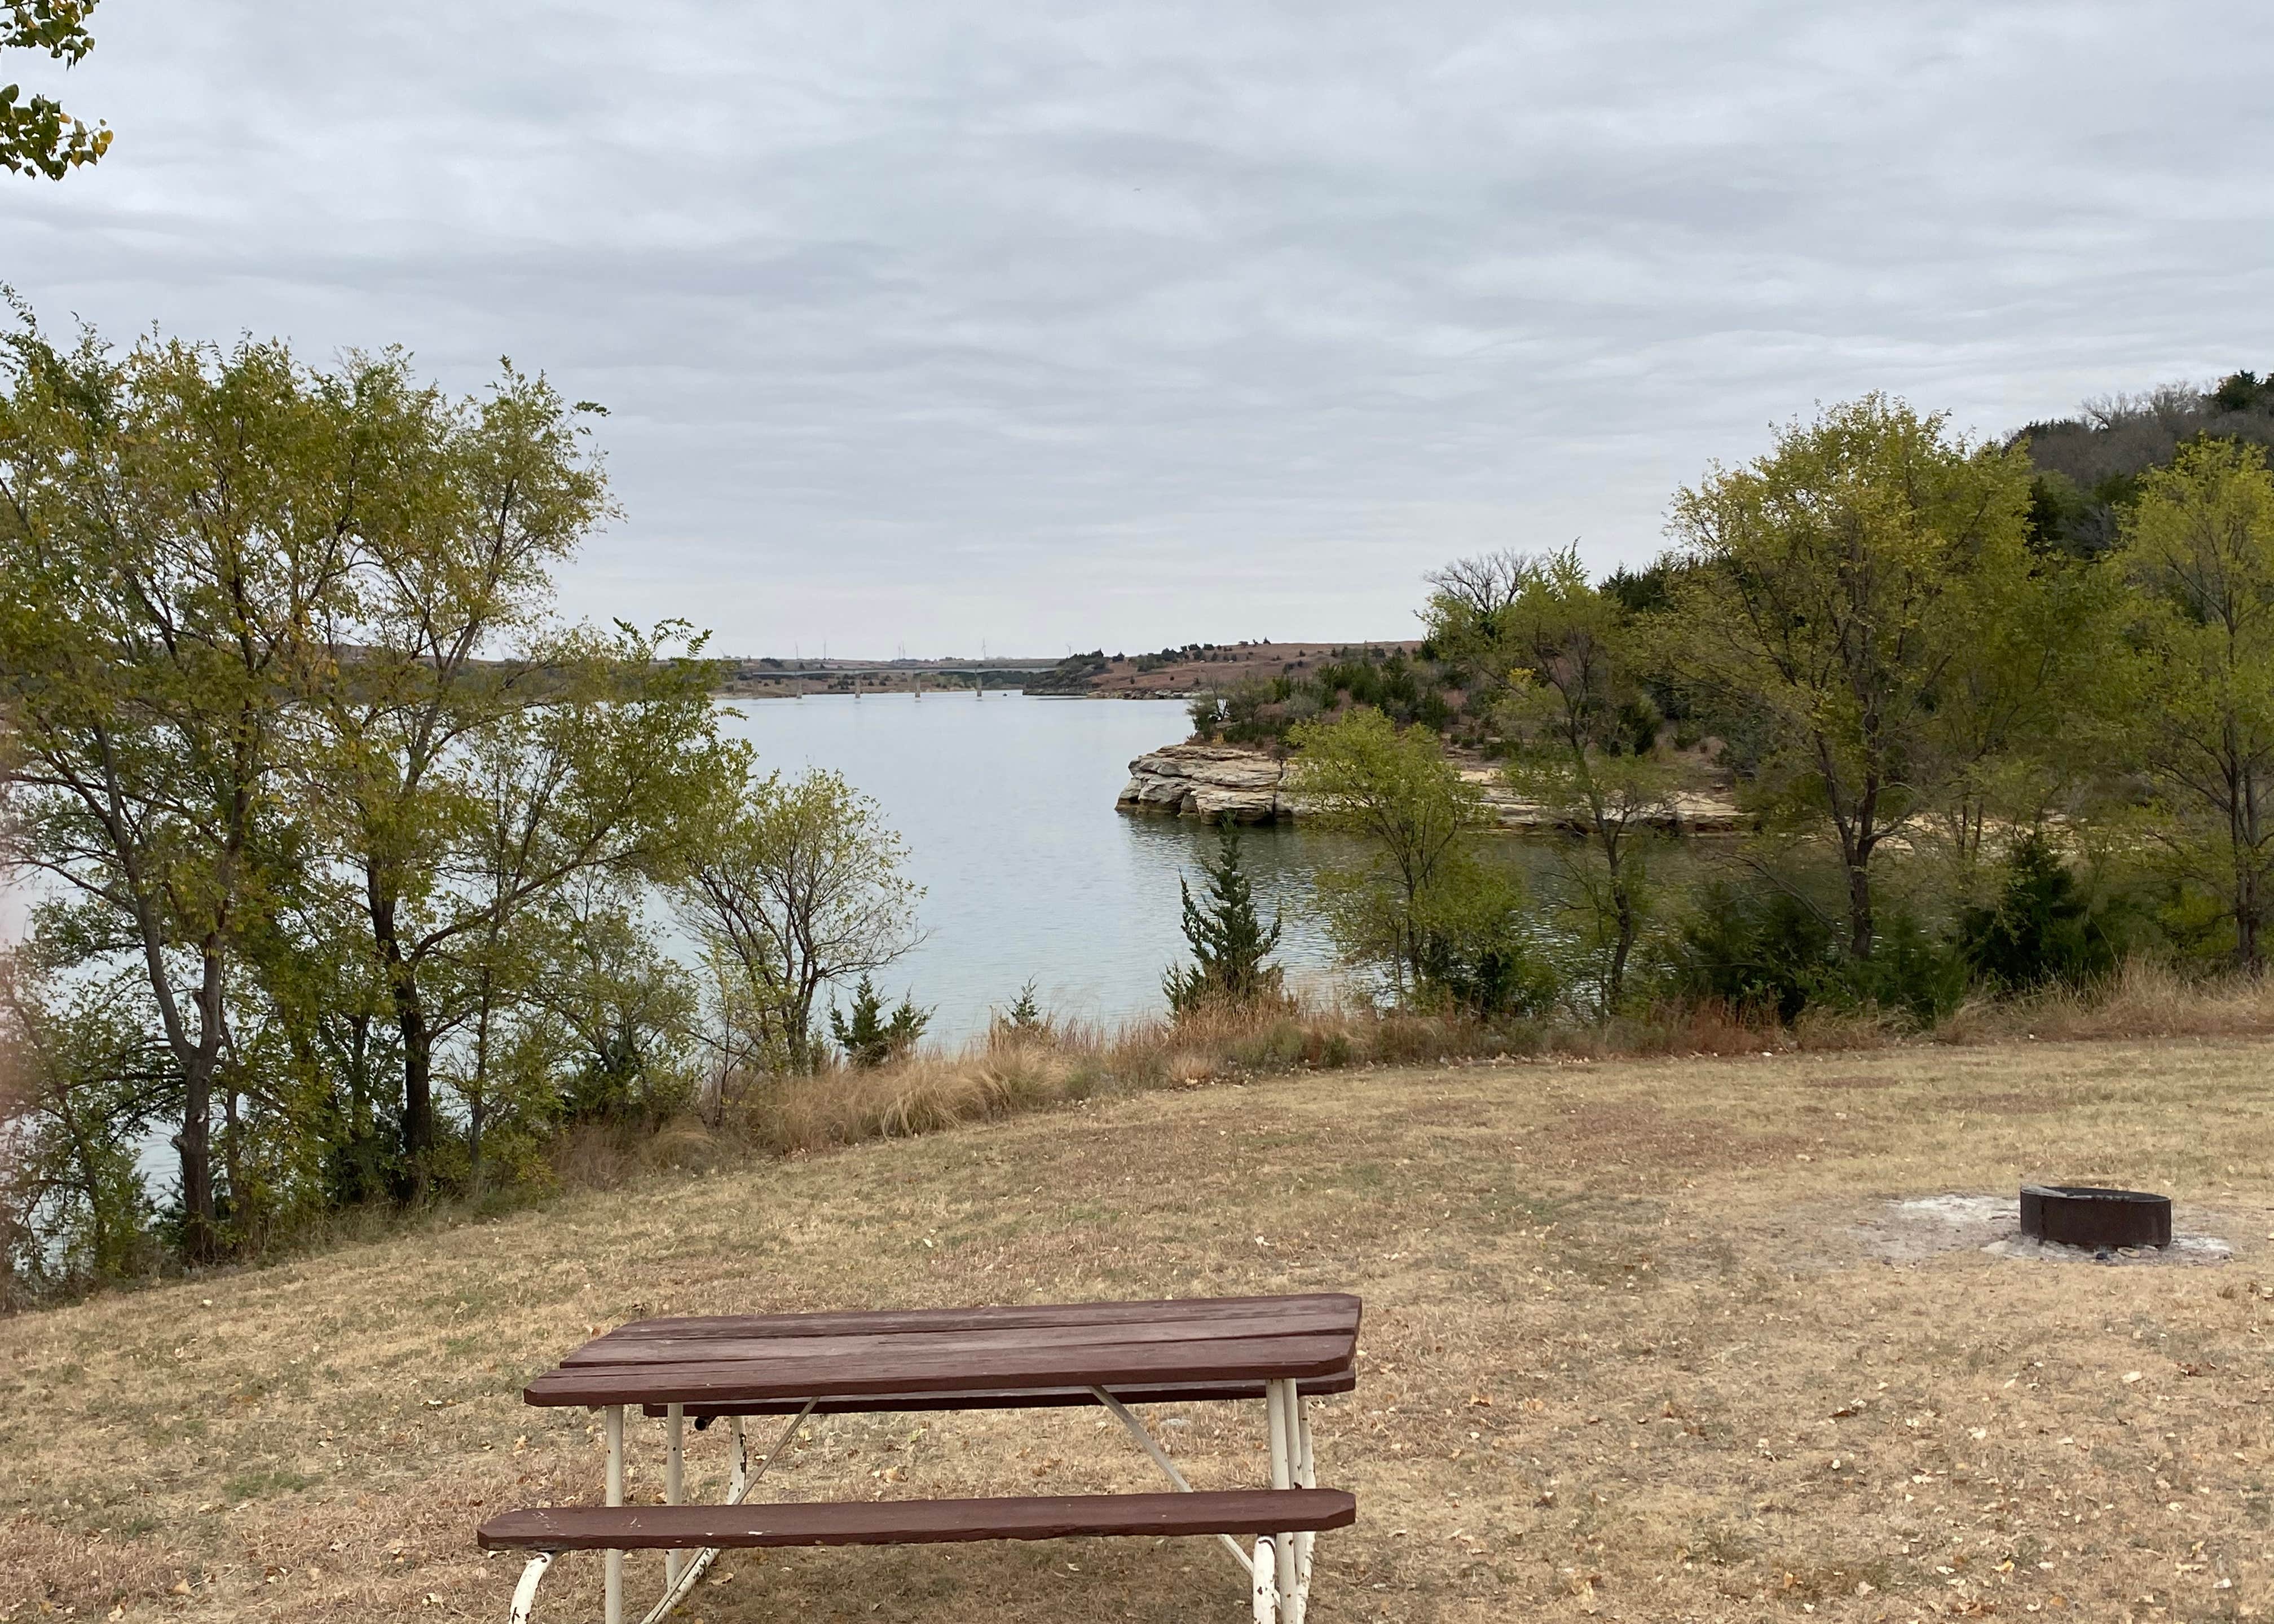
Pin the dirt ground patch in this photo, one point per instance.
(1624, 1358)
(1922, 1227)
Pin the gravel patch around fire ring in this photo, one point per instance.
(1924, 1226)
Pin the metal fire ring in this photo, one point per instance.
(2087, 1215)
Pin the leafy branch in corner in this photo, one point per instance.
(37, 135)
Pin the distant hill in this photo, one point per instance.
(2089, 465)
(1197, 667)
(768, 677)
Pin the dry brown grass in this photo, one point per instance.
(1621, 1326)
(1009, 1072)
(2145, 999)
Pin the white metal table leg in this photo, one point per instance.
(1279, 1405)
(1137, 1430)
(675, 1477)
(1307, 1477)
(612, 1591)
(738, 1489)
(524, 1594)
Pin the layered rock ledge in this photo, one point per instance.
(1211, 781)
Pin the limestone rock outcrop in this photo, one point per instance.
(1209, 781)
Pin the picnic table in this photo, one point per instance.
(1281, 1350)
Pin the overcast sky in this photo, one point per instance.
(929, 324)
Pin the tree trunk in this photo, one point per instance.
(2243, 832)
(479, 1092)
(417, 1081)
(1622, 909)
(1859, 906)
(418, 1041)
(2246, 911)
(200, 1226)
(200, 1237)
(474, 1144)
(232, 1163)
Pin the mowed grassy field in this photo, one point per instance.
(1630, 1352)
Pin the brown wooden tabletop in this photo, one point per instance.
(1211, 1346)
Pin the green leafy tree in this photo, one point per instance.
(1583, 736)
(454, 659)
(1834, 591)
(476, 503)
(174, 526)
(324, 1033)
(1478, 953)
(79, 1079)
(1231, 945)
(2032, 721)
(790, 884)
(622, 1008)
(1393, 790)
(36, 136)
(871, 1035)
(2199, 546)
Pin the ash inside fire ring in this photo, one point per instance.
(1927, 1227)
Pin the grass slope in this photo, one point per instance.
(1626, 1357)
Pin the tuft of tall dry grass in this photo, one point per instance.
(2143, 999)
(1009, 1071)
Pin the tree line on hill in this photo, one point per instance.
(1997, 713)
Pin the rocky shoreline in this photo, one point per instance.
(1210, 781)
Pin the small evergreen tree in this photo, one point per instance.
(1231, 944)
(873, 1035)
(1025, 1017)
(2043, 927)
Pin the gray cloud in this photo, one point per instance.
(1051, 327)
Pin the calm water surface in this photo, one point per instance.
(1007, 805)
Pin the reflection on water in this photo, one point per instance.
(1007, 804)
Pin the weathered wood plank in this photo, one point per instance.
(920, 1521)
(707, 1349)
(952, 1370)
(1338, 1308)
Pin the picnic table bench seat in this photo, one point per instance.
(916, 1521)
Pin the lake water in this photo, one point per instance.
(1007, 805)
